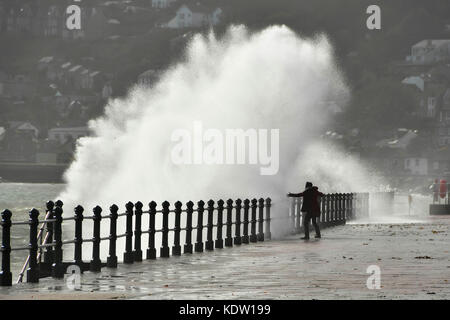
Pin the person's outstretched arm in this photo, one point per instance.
(290, 194)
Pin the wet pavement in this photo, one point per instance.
(413, 257)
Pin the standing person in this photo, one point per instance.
(435, 189)
(409, 203)
(311, 207)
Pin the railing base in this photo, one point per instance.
(151, 254)
(219, 244)
(95, 266)
(209, 245)
(228, 242)
(128, 257)
(33, 275)
(138, 255)
(58, 270)
(199, 247)
(111, 262)
(164, 252)
(188, 248)
(176, 250)
(5, 279)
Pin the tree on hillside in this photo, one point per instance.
(383, 104)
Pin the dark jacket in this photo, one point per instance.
(311, 200)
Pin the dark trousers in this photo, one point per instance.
(306, 220)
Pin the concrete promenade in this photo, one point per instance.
(414, 260)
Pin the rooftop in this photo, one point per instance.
(428, 42)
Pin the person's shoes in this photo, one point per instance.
(304, 238)
(317, 236)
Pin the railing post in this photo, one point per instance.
(176, 249)
(57, 267)
(339, 207)
(367, 204)
(33, 269)
(138, 231)
(164, 250)
(48, 254)
(253, 237)
(151, 250)
(298, 222)
(322, 211)
(200, 210)
(219, 241)
(189, 211)
(229, 239)
(293, 206)
(336, 207)
(245, 238)
(128, 256)
(347, 206)
(78, 256)
(268, 234)
(339, 203)
(5, 273)
(351, 206)
(260, 236)
(344, 206)
(209, 241)
(96, 263)
(237, 227)
(327, 199)
(333, 208)
(111, 261)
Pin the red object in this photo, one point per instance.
(443, 188)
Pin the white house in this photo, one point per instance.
(23, 127)
(162, 3)
(417, 81)
(430, 51)
(194, 16)
(400, 143)
(62, 135)
(443, 122)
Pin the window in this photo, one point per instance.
(431, 106)
(407, 163)
(436, 165)
(417, 162)
(431, 101)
